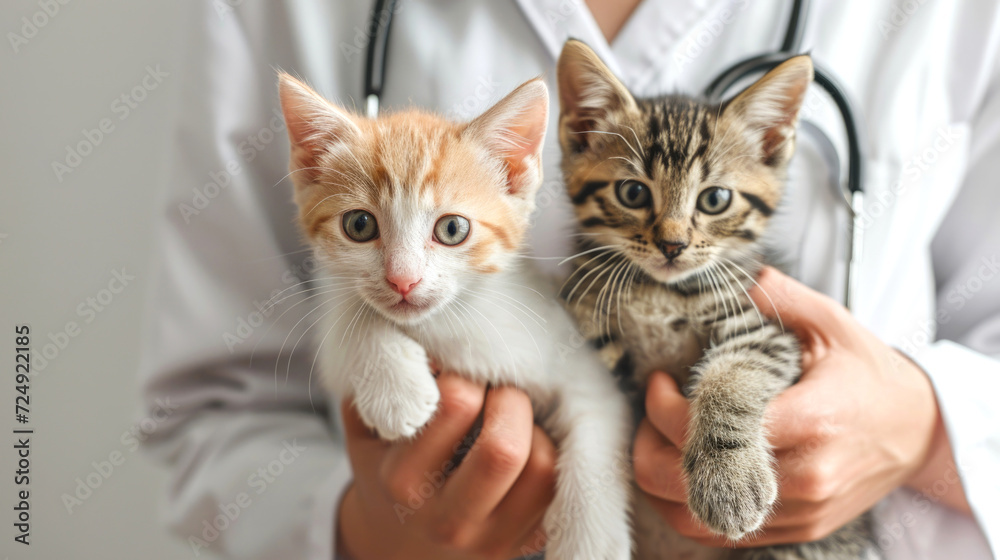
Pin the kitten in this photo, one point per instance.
(672, 195)
(419, 222)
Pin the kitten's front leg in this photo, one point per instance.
(727, 460)
(591, 425)
(388, 376)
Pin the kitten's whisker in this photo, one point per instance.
(597, 302)
(288, 362)
(539, 320)
(731, 147)
(491, 301)
(606, 283)
(332, 287)
(627, 143)
(718, 114)
(583, 267)
(600, 268)
(631, 163)
(351, 325)
(353, 178)
(468, 340)
(534, 258)
(720, 302)
(722, 295)
(267, 304)
(622, 287)
(282, 255)
(289, 174)
(609, 299)
(488, 321)
(722, 141)
(315, 206)
(354, 174)
(529, 288)
(366, 180)
(702, 276)
(460, 306)
(738, 158)
(366, 321)
(579, 269)
(637, 142)
(306, 281)
(631, 285)
(518, 306)
(588, 251)
(319, 348)
(611, 285)
(736, 302)
(725, 265)
(447, 317)
(324, 278)
(763, 291)
(278, 320)
(446, 314)
(632, 267)
(468, 308)
(735, 144)
(291, 353)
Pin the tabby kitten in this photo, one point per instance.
(672, 195)
(419, 222)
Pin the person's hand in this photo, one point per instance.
(409, 500)
(861, 422)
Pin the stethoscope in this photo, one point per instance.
(852, 190)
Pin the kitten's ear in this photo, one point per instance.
(514, 131)
(589, 93)
(315, 125)
(770, 107)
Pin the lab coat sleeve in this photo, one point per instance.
(255, 454)
(964, 362)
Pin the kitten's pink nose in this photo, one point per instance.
(672, 249)
(402, 284)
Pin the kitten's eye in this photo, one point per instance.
(360, 225)
(714, 200)
(633, 194)
(451, 229)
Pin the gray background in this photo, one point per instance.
(60, 242)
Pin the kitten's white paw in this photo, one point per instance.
(397, 394)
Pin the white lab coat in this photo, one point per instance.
(924, 75)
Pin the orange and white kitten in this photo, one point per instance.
(420, 222)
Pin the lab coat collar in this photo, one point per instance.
(641, 50)
(555, 21)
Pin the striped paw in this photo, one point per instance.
(731, 484)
